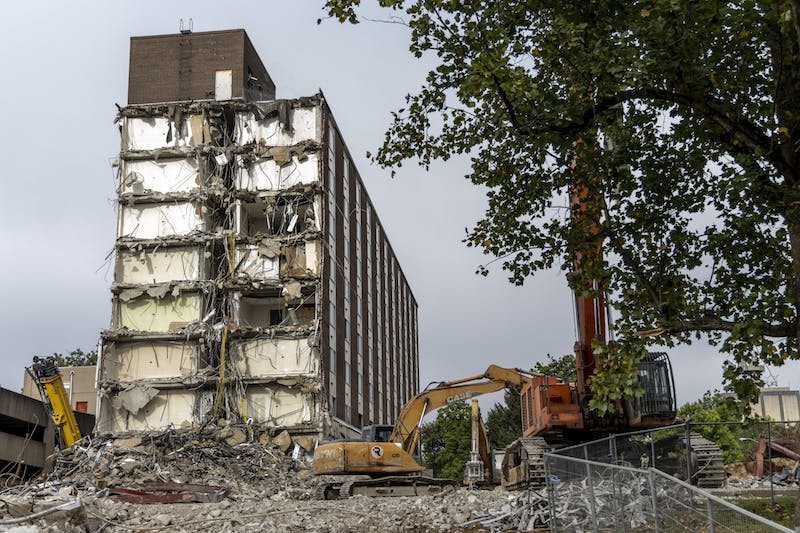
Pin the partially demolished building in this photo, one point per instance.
(253, 280)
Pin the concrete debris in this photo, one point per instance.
(134, 398)
(253, 485)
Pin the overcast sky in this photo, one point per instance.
(65, 66)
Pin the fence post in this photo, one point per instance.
(590, 484)
(712, 527)
(688, 453)
(769, 456)
(653, 498)
(653, 449)
(551, 497)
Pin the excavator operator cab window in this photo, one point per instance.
(376, 433)
(655, 377)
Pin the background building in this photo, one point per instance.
(253, 279)
(79, 382)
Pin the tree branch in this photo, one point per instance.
(741, 130)
(716, 324)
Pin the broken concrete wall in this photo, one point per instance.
(144, 408)
(163, 265)
(279, 405)
(154, 132)
(257, 261)
(167, 361)
(151, 221)
(153, 314)
(271, 358)
(298, 122)
(277, 173)
(145, 176)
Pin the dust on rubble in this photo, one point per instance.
(268, 487)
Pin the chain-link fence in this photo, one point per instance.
(677, 450)
(587, 495)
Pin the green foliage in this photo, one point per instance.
(76, 357)
(716, 407)
(562, 368)
(677, 121)
(504, 421)
(783, 510)
(446, 442)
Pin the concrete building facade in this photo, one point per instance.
(253, 279)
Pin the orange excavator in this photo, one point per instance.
(553, 412)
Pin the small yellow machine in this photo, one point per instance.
(51, 387)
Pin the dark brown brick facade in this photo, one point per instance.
(392, 356)
(180, 67)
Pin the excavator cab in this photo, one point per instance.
(656, 407)
(377, 433)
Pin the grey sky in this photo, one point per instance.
(64, 67)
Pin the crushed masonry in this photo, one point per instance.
(196, 480)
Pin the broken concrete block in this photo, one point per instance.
(283, 441)
(134, 398)
(237, 436)
(163, 519)
(306, 442)
(128, 443)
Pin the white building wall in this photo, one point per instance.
(164, 176)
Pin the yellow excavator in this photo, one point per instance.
(386, 453)
(54, 395)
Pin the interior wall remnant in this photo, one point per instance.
(131, 361)
(160, 265)
(265, 358)
(270, 174)
(151, 221)
(257, 261)
(300, 260)
(144, 176)
(151, 133)
(280, 406)
(159, 314)
(169, 407)
(270, 131)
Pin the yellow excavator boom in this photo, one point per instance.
(396, 455)
(495, 378)
(48, 379)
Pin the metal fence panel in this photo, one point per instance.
(612, 495)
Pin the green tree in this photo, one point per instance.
(504, 421)
(446, 442)
(717, 407)
(76, 357)
(679, 123)
(562, 368)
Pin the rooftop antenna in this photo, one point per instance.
(187, 29)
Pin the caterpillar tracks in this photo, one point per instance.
(386, 486)
(523, 464)
(708, 471)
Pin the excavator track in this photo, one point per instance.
(708, 471)
(387, 486)
(526, 469)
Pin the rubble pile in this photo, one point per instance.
(231, 478)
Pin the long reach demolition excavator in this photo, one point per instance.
(554, 413)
